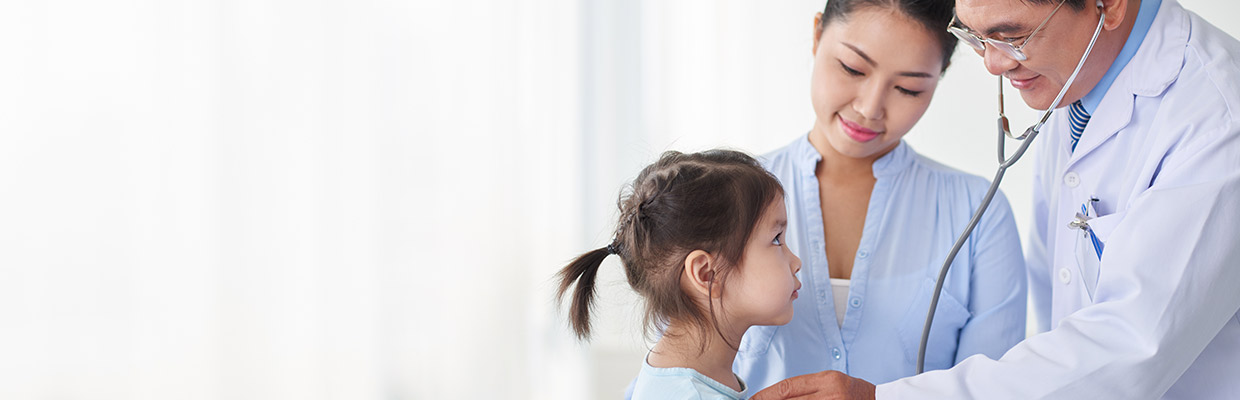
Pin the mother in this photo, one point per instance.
(873, 220)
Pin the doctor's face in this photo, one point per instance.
(1052, 53)
(874, 74)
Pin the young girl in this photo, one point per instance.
(701, 239)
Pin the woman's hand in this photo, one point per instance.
(820, 386)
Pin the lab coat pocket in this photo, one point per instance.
(949, 318)
(1090, 245)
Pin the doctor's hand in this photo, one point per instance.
(820, 386)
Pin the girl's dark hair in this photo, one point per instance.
(707, 201)
(934, 15)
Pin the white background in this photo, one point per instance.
(327, 199)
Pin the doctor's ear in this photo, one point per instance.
(700, 274)
(1117, 12)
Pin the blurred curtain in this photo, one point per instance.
(287, 199)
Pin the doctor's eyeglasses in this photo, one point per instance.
(979, 43)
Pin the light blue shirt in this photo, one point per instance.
(1145, 18)
(681, 384)
(916, 211)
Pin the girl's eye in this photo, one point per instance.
(850, 71)
(910, 93)
(778, 239)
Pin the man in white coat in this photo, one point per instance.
(1135, 264)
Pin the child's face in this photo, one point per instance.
(761, 290)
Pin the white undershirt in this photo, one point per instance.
(839, 287)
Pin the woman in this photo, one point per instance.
(873, 221)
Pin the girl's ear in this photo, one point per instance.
(700, 274)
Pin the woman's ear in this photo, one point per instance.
(817, 32)
(1117, 11)
(700, 274)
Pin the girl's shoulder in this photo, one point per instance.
(681, 383)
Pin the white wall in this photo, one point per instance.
(367, 199)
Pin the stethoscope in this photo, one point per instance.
(1004, 163)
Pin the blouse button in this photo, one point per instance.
(1065, 276)
(856, 302)
(835, 353)
(863, 254)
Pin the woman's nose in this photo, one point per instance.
(869, 103)
(796, 262)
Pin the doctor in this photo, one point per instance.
(1135, 262)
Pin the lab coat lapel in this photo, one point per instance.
(1112, 114)
(1150, 71)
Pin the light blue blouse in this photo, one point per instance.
(916, 211)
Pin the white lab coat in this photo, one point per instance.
(1162, 155)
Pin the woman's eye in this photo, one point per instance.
(778, 239)
(850, 71)
(910, 93)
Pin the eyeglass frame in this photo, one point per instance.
(978, 42)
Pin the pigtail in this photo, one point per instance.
(582, 271)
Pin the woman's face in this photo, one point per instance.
(874, 74)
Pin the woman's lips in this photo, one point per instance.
(857, 132)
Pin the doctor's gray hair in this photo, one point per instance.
(708, 201)
(933, 15)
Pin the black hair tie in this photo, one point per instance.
(613, 249)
